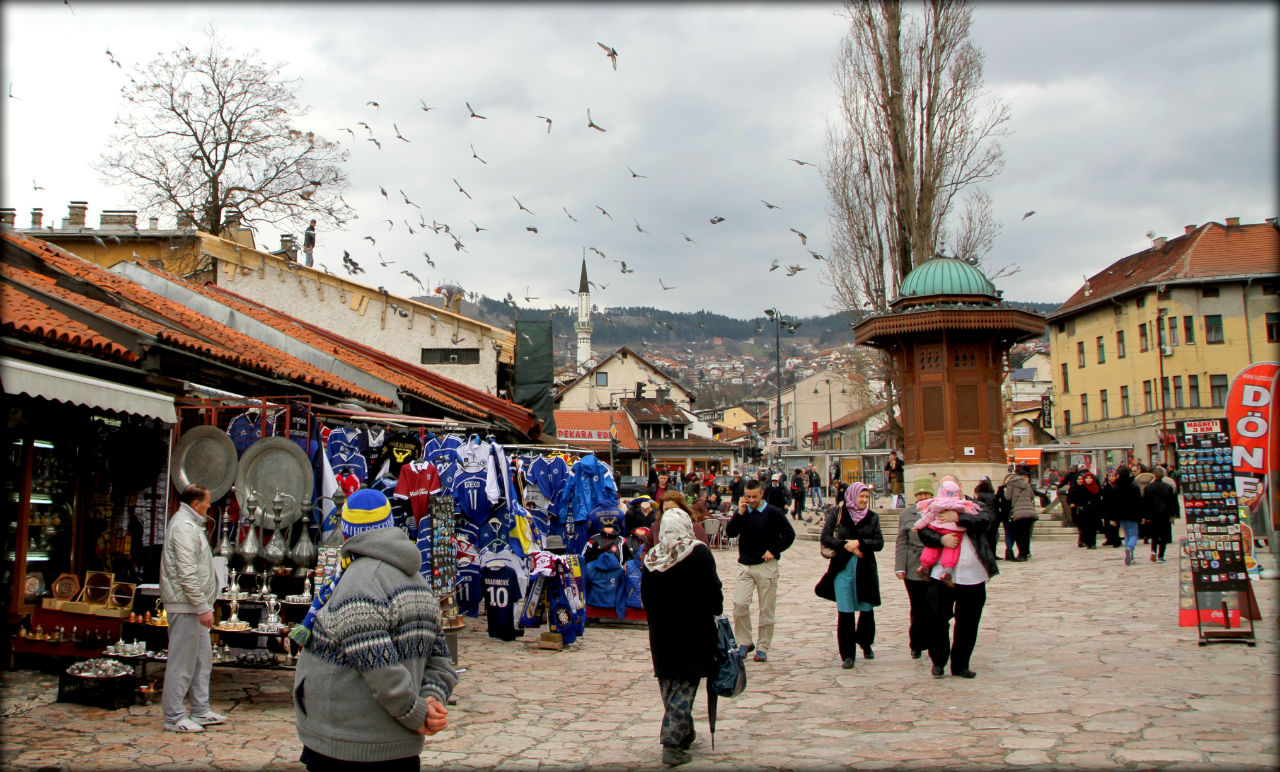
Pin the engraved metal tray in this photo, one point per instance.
(275, 464)
(204, 456)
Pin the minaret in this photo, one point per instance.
(583, 325)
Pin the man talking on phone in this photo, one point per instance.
(763, 534)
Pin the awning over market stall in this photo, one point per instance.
(1027, 455)
(19, 377)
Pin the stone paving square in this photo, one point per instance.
(1080, 664)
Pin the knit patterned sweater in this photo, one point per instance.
(375, 655)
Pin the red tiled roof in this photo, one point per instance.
(690, 443)
(25, 316)
(169, 322)
(569, 385)
(1208, 252)
(852, 418)
(424, 383)
(1023, 405)
(729, 435)
(646, 410)
(597, 420)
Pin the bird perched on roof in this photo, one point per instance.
(611, 53)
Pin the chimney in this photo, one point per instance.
(1187, 229)
(76, 211)
(37, 217)
(153, 223)
(1157, 242)
(288, 246)
(7, 216)
(118, 219)
(185, 220)
(1233, 222)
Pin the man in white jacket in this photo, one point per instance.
(189, 589)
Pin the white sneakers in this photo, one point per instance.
(195, 723)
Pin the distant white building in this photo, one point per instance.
(622, 371)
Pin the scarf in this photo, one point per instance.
(1092, 484)
(851, 502)
(675, 541)
(301, 633)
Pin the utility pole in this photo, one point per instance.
(775, 316)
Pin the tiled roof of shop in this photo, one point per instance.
(597, 420)
(645, 410)
(689, 442)
(1208, 252)
(163, 319)
(429, 385)
(852, 418)
(24, 316)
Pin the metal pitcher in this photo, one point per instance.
(304, 552)
(250, 546)
(226, 548)
(277, 548)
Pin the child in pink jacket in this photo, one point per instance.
(949, 498)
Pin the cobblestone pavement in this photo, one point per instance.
(1080, 664)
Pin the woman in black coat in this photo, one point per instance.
(682, 597)
(851, 580)
(1085, 498)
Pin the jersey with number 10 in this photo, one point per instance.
(502, 598)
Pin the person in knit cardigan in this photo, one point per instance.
(375, 673)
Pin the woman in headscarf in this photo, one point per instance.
(851, 580)
(682, 598)
(1085, 498)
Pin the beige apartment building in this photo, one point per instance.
(1157, 336)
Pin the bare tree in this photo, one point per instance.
(916, 134)
(209, 132)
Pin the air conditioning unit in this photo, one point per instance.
(1166, 351)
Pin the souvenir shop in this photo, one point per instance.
(501, 527)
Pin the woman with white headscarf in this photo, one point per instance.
(853, 531)
(682, 598)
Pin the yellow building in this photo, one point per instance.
(1157, 336)
(737, 418)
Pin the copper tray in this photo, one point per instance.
(204, 456)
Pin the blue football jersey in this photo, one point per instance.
(502, 596)
(469, 495)
(469, 590)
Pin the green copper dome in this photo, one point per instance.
(946, 276)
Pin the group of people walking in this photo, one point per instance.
(1125, 507)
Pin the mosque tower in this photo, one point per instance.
(583, 325)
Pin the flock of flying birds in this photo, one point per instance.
(415, 223)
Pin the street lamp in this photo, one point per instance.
(779, 322)
(830, 419)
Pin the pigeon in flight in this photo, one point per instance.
(642, 230)
(625, 269)
(792, 270)
(373, 104)
(410, 203)
(633, 174)
(771, 206)
(817, 256)
(382, 261)
(371, 240)
(474, 114)
(383, 191)
(590, 123)
(351, 132)
(460, 190)
(430, 262)
(548, 120)
(611, 53)
(113, 59)
(571, 217)
(686, 238)
(477, 157)
(35, 185)
(774, 265)
(390, 224)
(664, 286)
(398, 134)
(410, 227)
(477, 227)
(717, 220)
(457, 244)
(425, 109)
(522, 206)
(531, 229)
(803, 238)
(415, 280)
(1028, 214)
(802, 163)
(603, 212)
(598, 252)
(374, 141)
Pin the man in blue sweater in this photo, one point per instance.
(763, 533)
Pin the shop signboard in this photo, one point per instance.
(1252, 412)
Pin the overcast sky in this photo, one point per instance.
(1126, 119)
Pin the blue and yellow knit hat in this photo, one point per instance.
(365, 510)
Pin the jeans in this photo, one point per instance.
(1130, 528)
(815, 496)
